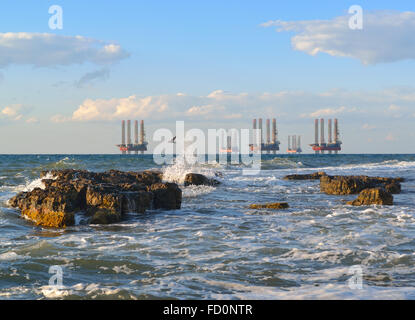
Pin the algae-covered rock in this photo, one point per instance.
(343, 185)
(275, 205)
(373, 196)
(198, 179)
(309, 176)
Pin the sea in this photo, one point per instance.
(215, 247)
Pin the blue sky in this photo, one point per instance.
(212, 64)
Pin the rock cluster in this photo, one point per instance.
(102, 197)
(371, 190)
(342, 185)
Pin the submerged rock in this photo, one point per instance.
(342, 185)
(103, 197)
(275, 205)
(199, 179)
(373, 196)
(310, 176)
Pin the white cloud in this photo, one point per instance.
(326, 112)
(45, 50)
(12, 112)
(90, 77)
(225, 106)
(59, 118)
(387, 36)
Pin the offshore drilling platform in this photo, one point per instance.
(138, 145)
(271, 144)
(333, 144)
(294, 144)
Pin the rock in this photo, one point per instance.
(52, 207)
(103, 196)
(104, 203)
(166, 196)
(394, 187)
(136, 201)
(105, 216)
(312, 176)
(275, 205)
(199, 179)
(373, 196)
(342, 185)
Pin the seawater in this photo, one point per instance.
(214, 247)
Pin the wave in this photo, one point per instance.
(177, 172)
(31, 185)
(388, 164)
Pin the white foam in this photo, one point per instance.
(177, 172)
(123, 269)
(10, 256)
(31, 185)
(195, 191)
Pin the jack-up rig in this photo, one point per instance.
(271, 144)
(294, 144)
(333, 144)
(137, 145)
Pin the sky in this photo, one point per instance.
(212, 64)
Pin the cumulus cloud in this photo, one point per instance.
(12, 112)
(387, 36)
(45, 50)
(222, 106)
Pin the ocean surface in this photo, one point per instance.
(215, 247)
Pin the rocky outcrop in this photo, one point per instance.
(199, 179)
(311, 176)
(166, 196)
(342, 185)
(103, 197)
(275, 205)
(373, 196)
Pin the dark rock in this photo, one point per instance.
(136, 201)
(166, 196)
(342, 185)
(275, 205)
(394, 187)
(373, 196)
(312, 176)
(199, 179)
(104, 216)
